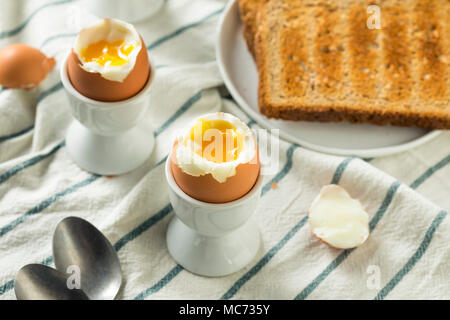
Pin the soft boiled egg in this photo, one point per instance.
(337, 219)
(215, 159)
(109, 61)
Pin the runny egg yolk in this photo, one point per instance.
(108, 53)
(216, 140)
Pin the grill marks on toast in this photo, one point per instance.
(318, 61)
(397, 57)
(295, 72)
(431, 56)
(328, 53)
(364, 50)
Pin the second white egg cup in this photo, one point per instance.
(108, 138)
(211, 239)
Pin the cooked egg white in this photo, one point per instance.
(337, 219)
(215, 144)
(109, 47)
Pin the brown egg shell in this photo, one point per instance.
(94, 86)
(24, 67)
(207, 189)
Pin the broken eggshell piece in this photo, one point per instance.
(23, 67)
(337, 219)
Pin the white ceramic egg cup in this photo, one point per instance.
(212, 239)
(108, 138)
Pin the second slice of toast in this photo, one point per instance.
(249, 10)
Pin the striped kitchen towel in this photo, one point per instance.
(406, 195)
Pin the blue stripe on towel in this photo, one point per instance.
(155, 44)
(341, 257)
(421, 179)
(415, 258)
(340, 170)
(6, 287)
(49, 91)
(274, 250)
(16, 169)
(441, 164)
(45, 204)
(10, 284)
(13, 32)
(182, 29)
(192, 100)
(136, 232)
(385, 205)
(161, 283)
(264, 260)
(280, 175)
(17, 134)
(251, 123)
(41, 97)
(57, 36)
(119, 244)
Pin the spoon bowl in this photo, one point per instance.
(79, 246)
(39, 282)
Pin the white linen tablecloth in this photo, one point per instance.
(406, 195)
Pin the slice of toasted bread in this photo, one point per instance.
(318, 61)
(249, 10)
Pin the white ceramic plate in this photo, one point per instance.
(241, 78)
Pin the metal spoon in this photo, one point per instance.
(39, 282)
(79, 245)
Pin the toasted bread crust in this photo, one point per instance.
(398, 75)
(249, 11)
(248, 24)
(339, 114)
